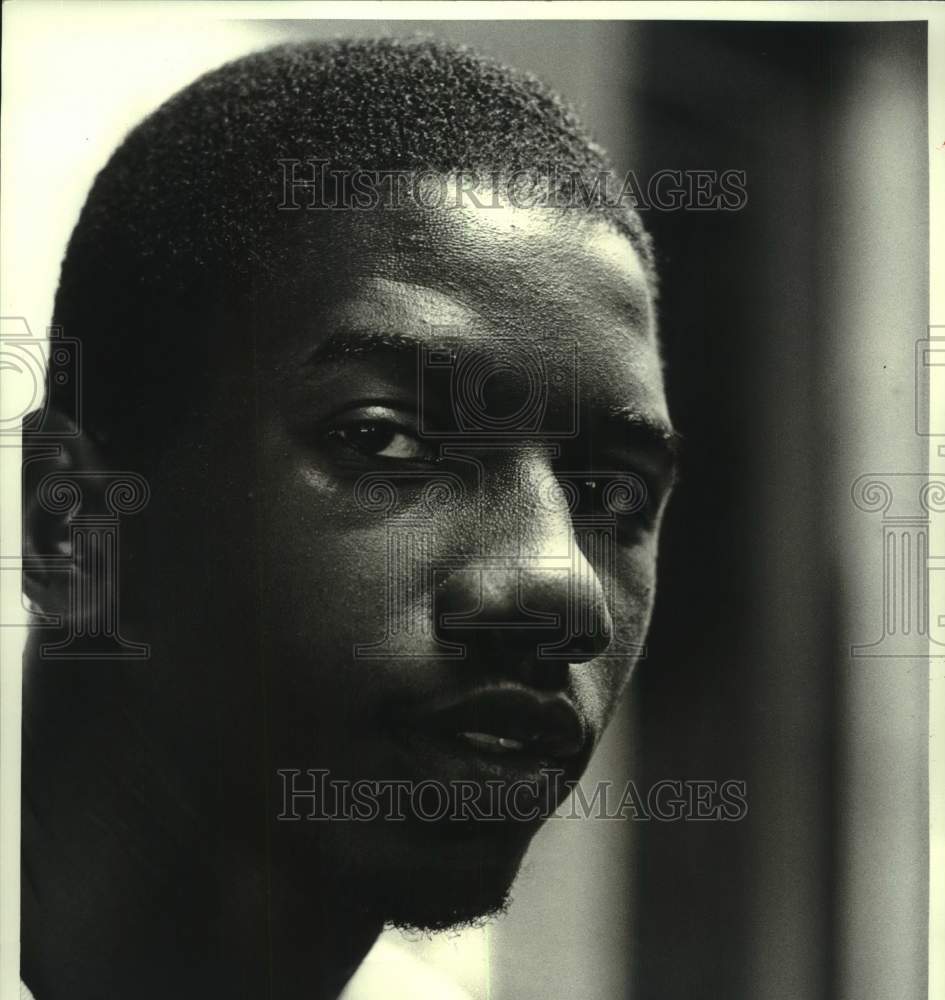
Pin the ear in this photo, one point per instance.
(58, 448)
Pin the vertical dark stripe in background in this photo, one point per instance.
(750, 675)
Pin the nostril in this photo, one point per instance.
(579, 646)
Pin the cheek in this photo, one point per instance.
(637, 583)
(629, 582)
(630, 587)
(321, 577)
(321, 595)
(323, 590)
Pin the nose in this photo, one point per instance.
(531, 601)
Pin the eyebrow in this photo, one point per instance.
(358, 344)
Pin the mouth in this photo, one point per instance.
(504, 730)
(489, 743)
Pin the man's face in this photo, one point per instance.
(446, 478)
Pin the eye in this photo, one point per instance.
(383, 435)
(373, 437)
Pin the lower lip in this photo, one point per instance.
(451, 757)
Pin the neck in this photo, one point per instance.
(135, 884)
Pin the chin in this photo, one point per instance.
(431, 916)
(428, 877)
(442, 897)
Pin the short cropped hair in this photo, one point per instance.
(186, 209)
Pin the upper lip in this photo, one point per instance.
(547, 724)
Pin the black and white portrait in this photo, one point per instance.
(470, 489)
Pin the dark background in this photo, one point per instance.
(750, 668)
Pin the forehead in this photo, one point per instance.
(509, 278)
(491, 257)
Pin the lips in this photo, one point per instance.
(506, 721)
